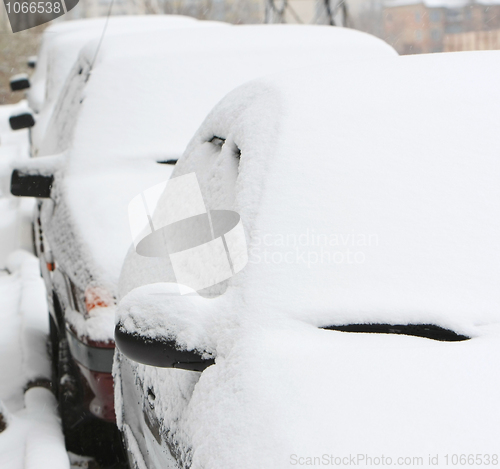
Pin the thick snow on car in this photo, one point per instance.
(366, 322)
(60, 46)
(47, 81)
(146, 96)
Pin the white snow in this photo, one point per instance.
(33, 435)
(188, 321)
(122, 128)
(77, 33)
(99, 324)
(61, 44)
(8, 137)
(386, 196)
(403, 168)
(46, 166)
(19, 76)
(16, 213)
(287, 388)
(15, 225)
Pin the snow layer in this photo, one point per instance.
(76, 34)
(99, 324)
(16, 213)
(32, 309)
(9, 137)
(33, 435)
(385, 195)
(45, 167)
(342, 394)
(59, 51)
(409, 157)
(145, 98)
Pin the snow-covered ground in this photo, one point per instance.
(15, 213)
(30, 431)
(32, 436)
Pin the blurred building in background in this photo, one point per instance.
(473, 40)
(414, 27)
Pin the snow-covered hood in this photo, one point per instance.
(282, 389)
(293, 392)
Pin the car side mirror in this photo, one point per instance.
(21, 121)
(19, 82)
(32, 61)
(30, 185)
(158, 326)
(163, 353)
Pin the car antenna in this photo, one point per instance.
(102, 35)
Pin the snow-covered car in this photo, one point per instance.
(146, 96)
(60, 46)
(365, 325)
(61, 43)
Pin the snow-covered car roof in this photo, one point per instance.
(145, 98)
(193, 69)
(396, 160)
(62, 43)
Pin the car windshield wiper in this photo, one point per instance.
(428, 331)
(167, 162)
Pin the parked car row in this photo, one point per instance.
(60, 46)
(366, 185)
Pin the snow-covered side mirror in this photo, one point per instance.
(163, 353)
(31, 185)
(32, 61)
(35, 176)
(19, 82)
(21, 121)
(157, 326)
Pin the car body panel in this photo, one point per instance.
(397, 156)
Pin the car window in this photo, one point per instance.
(64, 117)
